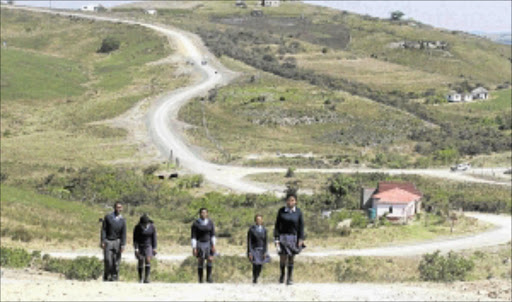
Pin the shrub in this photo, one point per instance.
(81, 268)
(3, 177)
(435, 267)
(352, 269)
(84, 268)
(345, 231)
(21, 234)
(359, 220)
(109, 44)
(290, 173)
(150, 169)
(192, 181)
(15, 257)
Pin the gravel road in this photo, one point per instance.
(49, 287)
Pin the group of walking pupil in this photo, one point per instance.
(288, 240)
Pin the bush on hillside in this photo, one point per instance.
(81, 268)
(109, 44)
(15, 257)
(435, 267)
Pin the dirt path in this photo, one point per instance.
(499, 235)
(50, 287)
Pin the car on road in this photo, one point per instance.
(460, 167)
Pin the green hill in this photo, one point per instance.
(54, 83)
(402, 64)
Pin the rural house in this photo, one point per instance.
(92, 8)
(150, 12)
(480, 93)
(270, 3)
(466, 97)
(400, 200)
(454, 96)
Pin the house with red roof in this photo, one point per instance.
(400, 200)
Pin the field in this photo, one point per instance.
(375, 73)
(263, 114)
(55, 84)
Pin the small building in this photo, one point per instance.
(92, 8)
(150, 11)
(480, 93)
(270, 3)
(467, 97)
(400, 200)
(454, 96)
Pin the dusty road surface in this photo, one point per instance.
(501, 234)
(30, 286)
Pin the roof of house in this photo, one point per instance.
(389, 185)
(453, 92)
(396, 196)
(479, 90)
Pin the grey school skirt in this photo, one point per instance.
(204, 249)
(258, 256)
(288, 244)
(146, 251)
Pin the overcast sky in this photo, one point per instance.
(485, 16)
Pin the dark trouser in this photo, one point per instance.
(112, 258)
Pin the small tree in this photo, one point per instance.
(396, 15)
(109, 44)
(290, 172)
(435, 267)
(339, 186)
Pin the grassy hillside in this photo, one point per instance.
(54, 83)
(36, 220)
(33, 76)
(272, 114)
(340, 51)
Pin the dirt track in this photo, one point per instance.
(26, 285)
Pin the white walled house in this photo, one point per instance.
(480, 93)
(400, 200)
(270, 3)
(91, 8)
(467, 97)
(454, 96)
(150, 11)
(398, 203)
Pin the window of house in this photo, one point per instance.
(390, 209)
